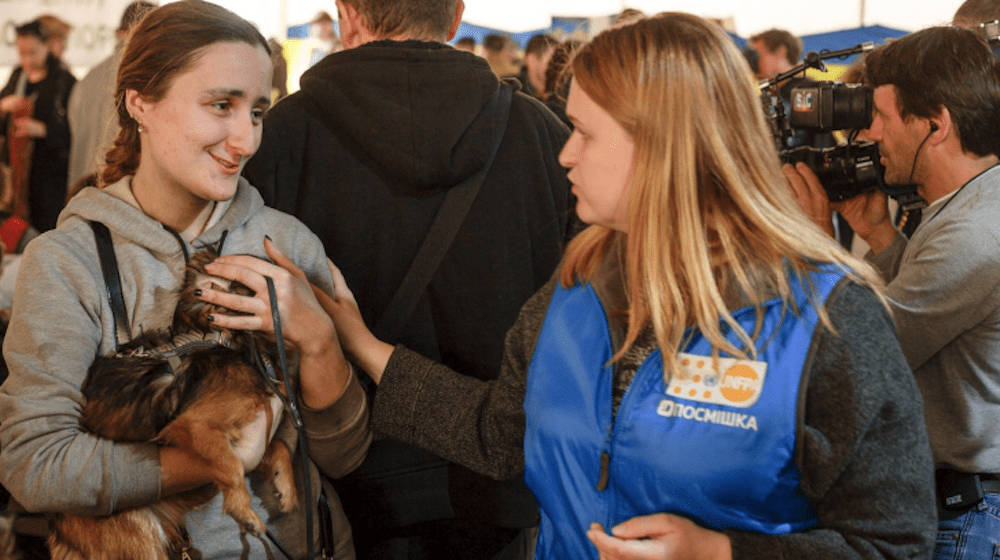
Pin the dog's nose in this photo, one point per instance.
(213, 282)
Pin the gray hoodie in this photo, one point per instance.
(62, 320)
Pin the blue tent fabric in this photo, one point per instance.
(479, 32)
(819, 42)
(302, 31)
(566, 26)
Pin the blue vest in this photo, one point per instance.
(716, 445)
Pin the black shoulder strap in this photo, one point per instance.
(109, 266)
(448, 219)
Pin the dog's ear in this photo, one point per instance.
(198, 261)
(192, 312)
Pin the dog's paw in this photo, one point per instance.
(237, 505)
(254, 526)
(284, 490)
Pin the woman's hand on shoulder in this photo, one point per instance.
(358, 341)
(660, 536)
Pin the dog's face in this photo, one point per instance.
(192, 312)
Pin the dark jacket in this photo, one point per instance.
(50, 158)
(364, 155)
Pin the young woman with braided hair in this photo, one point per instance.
(192, 89)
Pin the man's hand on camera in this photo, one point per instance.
(868, 214)
(810, 195)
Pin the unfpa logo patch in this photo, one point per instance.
(736, 383)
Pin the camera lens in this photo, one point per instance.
(852, 106)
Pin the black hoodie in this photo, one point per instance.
(364, 154)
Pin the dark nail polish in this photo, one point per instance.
(210, 318)
(197, 293)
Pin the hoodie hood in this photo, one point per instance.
(386, 99)
(134, 225)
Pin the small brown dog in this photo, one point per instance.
(194, 387)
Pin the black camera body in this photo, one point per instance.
(845, 171)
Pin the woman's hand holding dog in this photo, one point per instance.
(305, 325)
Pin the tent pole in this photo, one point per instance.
(861, 15)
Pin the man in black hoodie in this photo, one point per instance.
(365, 155)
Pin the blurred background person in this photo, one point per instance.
(753, 59)
(93, 118)
(466, 44)
(537, 54)
(326, 40)
(557, 79)
(501, 53)
(58, 31)
(279, 79)
(33, 108)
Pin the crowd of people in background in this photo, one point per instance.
(54, 149)
(563, 299)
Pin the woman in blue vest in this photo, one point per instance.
(708, 375)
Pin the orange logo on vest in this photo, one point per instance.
(722, 381)
(739, 383)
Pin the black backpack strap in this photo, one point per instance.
(447, 221)
(112, 281)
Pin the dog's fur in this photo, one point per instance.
(134, 397)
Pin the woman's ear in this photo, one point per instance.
(136, 105)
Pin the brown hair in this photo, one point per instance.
(973, 12)
(709, 212)
(55, 27)
(539, 44)
(950, 67)
(774, 39)
(558, 73)
(421, 18)
(34, 29)
(164, 44)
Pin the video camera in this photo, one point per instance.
(845, 171)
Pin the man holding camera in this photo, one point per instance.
(936, 105)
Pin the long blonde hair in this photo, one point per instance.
(709, 211)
